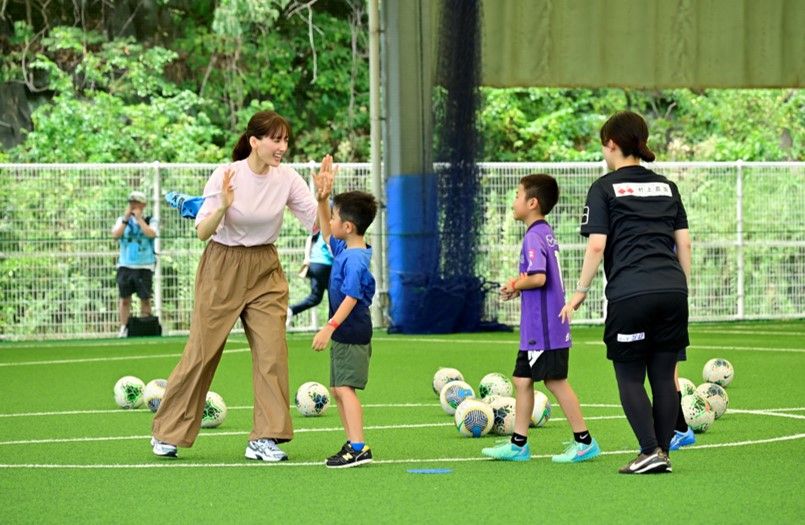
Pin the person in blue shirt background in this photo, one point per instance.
(135, 266)
(317, 266)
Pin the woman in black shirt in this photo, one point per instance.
(635, 221)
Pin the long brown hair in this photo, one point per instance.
(262, 124)
(630, 132)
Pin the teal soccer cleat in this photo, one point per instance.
(576, 452)
(508, 451)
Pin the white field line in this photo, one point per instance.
(220, 434)
(244, 407)
(116, 358)
(767, 413)
(259, 464)
(720, 347)
(744, 332)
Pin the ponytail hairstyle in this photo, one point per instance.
(262, 124)
(629, 131)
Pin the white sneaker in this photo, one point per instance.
(124, 332)
(162, 449)
(265, 450)
(289, 319)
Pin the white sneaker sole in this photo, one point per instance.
(163, 452)
(349, 465)
(252, 454)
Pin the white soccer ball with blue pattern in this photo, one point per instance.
(718, 371)
(698, 414)
(153, 393)
(686, 387)
(495, 384)
(129, 392)
(312, 399)
(214, 411)
(504, 410)
(444, 376)
(452, 394)
(716, 396)
(474, 418)
(542, 410)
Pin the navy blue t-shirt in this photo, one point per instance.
(350, 276)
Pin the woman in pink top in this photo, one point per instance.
(240, 276)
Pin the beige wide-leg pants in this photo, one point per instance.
(232, 282)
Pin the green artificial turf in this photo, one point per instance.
(57, 414)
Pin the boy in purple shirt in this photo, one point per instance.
(544, 338)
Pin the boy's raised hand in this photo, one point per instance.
(324, 179)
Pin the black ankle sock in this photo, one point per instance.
(583, 437)
(681, 424)
(519, 439)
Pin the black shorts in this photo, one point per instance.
(134, 280)
(542, 365)
(639, 326)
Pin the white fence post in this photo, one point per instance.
(739, 228)
(157, 243)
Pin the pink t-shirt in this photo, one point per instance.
(255, 216)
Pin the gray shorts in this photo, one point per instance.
(349, 365)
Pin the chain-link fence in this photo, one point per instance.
(57, 256)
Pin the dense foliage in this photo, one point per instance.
(176, 80)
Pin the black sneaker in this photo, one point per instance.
(346, 447)
(653, 463)
(349, 458)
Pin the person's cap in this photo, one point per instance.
(137, 196)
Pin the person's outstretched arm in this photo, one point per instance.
(589, 268)
(324, 186)
(208, 225)
(683, 251)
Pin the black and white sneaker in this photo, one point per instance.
(349, 458)
(265, 450)
(162, 449)
(346, 447)
(654, 463)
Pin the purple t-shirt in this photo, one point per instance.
(540, 325)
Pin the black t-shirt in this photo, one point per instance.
(638, 211)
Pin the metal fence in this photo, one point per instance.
(57, 256)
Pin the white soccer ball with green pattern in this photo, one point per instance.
(716, 396)
(153, 393)
(718, 371)
(452, 394)
(474, 418)
(542, 409)
(495, 384)
(312, 399)
(698, 414)
(504, 409)
(129, 392)
(214, 411)
(686, 386)
(444, 376)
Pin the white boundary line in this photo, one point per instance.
(724, 347)
(767, 413)
(744, 332)
(103, 359)
(177, 464)
(250, 407)
(244, 433)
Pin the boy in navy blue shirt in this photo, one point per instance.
(350, 294)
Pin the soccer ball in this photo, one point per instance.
(716, 396)
(503, 407)
(444, 376)
(312, 399)
(474, 418)
(452, 394)
(214, 411)
(490, 398)
(718, 371)
(495, 384)
(698, 414)
(153, 393)
(129, 392)
(686, 387)
(542, 410)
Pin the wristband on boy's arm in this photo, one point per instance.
(333, 323)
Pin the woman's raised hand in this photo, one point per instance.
(227, 190)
